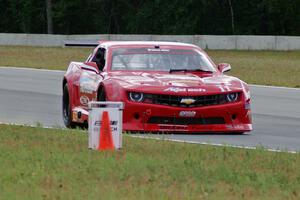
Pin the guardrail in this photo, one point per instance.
(238, 42)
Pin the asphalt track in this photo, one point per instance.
(33, 97)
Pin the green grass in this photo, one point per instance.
(279, 68)
(41, 57)
(39, 163)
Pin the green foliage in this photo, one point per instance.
(262, 17)
(25, 16)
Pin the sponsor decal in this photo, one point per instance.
(196, 90)
(187, 113)
(113, 125)
(229, 126)
(178, 89)
(238, 126)
(187, 101)
(86, 90)
(88, 83)
(175, 89)
(84, 100)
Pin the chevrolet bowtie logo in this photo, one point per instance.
(187, 101)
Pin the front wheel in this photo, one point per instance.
(66, 108)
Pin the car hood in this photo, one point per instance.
(176, 82)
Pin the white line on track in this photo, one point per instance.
(274, 87)
(212, 144)
(32, 69)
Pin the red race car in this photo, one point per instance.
(165, 87)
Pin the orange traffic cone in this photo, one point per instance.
(105, 141)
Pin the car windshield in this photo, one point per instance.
(159, 59)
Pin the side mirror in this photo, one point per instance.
(224, 67)
(90, 66)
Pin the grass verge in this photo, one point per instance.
(39, 163)
(279, 68)
(41, 57)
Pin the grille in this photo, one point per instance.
(186, 120)
(175, 100)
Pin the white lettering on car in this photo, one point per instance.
(175, 89)
(178, 89)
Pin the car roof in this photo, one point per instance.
(108, 44)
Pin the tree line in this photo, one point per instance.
(170, 17)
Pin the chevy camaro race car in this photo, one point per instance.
(165, 87)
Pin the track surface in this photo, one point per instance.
(34, 97)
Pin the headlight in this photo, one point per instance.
(136, 96)
(232, 97)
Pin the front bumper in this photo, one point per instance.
(236, 117)
(138, 117)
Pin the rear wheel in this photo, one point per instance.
(66, 108)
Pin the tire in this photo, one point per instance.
(66, 108)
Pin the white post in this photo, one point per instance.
(115, 112)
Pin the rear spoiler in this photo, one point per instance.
(81, 43)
